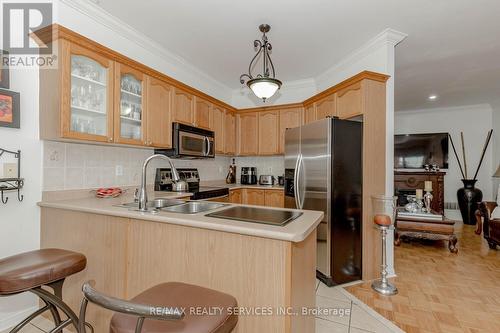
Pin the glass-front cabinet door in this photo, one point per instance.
(88, 112)
(129, 111)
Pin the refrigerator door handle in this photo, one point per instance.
(301, 166)
(296, 182)
(298, 199)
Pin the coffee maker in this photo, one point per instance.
(249, 175)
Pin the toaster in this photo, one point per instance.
(266, 180)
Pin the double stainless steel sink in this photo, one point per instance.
(176, 206)
(240, 213)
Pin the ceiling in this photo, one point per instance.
(452, 50)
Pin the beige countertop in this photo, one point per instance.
(295, 231)
(218, 183)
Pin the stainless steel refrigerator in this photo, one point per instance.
(323, 171)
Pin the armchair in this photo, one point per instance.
(490, 227)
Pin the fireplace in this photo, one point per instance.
(407, 182)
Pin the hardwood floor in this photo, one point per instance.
(440, 291)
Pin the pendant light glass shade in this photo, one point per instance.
(264, 87)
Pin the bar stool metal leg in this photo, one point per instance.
(55, 303)
(32, 316)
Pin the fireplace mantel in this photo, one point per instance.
(406, 182)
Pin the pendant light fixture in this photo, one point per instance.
(263, 85)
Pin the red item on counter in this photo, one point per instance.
(111, 192)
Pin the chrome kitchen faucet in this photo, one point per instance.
(178, 185)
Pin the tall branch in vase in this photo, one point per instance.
(468, 196)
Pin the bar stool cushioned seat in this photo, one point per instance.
(181, 295)
(28, 270)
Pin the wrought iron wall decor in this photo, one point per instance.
(12, 184)
(263, 85)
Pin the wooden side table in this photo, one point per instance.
(420, 228)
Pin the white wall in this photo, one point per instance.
(20, 220)
(496, 143)
(474, 121)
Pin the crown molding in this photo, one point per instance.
(474, 107)
(387, 37)
(93, 11)
(393, 37)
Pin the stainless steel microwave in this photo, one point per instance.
(190, 142)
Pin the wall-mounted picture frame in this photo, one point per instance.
(9, 109)
(4, 71)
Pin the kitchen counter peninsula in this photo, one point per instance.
(130, 251)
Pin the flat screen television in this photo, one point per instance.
(413, 151)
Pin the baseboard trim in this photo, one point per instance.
(16, 318)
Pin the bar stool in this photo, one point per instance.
(173, 306)
(30, 271)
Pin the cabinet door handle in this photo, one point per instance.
(110, 139)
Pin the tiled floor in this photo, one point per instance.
(38, 325)
(440, 291)
(348, 315)
(359, 319)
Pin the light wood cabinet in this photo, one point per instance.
(274, 198)
(235, 196)
(251, 196)
(203, 114)
(130, 114)
(268, 127)
(247, 127)
(310, 113)
(326, 107)
(218, 124)
(221, 199)
(289, 118)
(83, 109)
(183, 111)
(230, 134)
(159, 128)
(349, 101)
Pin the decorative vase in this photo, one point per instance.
(468, 198)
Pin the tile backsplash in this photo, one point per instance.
(69, 166)
(80, 166)
(266, 165)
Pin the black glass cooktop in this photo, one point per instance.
(257, 215)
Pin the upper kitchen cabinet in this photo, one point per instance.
(86, 100)
(183, 111)
(218, 124)
(203, 114)
(159, 128)
(268, 129)
(349, 101)
(326, 107)
(247, 129)
(130, 115)
(229, 134)
(309, 113)
(289, 118)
